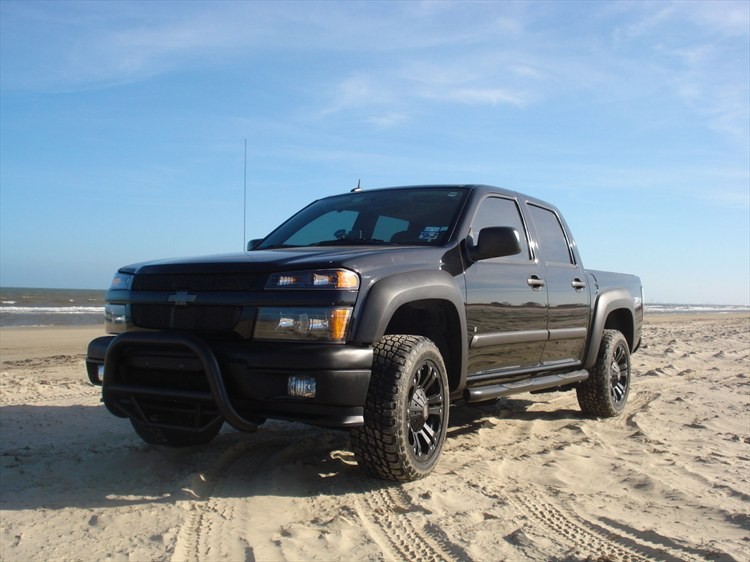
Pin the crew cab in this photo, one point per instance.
(374, 311)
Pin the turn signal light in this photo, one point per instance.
(323, 279)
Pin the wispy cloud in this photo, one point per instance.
(693, 54)
(64, 46)
(358, 90)
(487, 96)
(388, 120)
(700, 53)
(83, 45)
(388, 97)
(390, 59)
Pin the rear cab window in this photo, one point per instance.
(554, 244)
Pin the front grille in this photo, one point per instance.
(192, 318)
(198, 282)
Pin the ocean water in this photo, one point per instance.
(696, 308)
(50, 307)
(76, 307)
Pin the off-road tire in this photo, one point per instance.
(406, 411)
(176, 437)
(605, 393)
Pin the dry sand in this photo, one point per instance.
(522, 479)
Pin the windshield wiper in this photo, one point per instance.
(351, 242)
(279, 246)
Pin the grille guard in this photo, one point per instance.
(186, 341)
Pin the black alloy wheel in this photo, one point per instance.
(426, 410)
(406, 411)
(605, 393)
(619, 374)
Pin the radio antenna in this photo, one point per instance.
(244, 203)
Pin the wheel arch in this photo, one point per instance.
(614, 310)
(437, 320)
(425, 304)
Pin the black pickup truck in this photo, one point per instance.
(375, 311)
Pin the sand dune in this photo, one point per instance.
(522, 479)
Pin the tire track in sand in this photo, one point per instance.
(218, 524)
(20, 389)
(238, 512)
(601, 539)
(203, 534)
(397, 526)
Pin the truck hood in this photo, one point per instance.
(363, 259)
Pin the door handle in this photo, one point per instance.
(578, 285)
(535, 283)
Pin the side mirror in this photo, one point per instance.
(496, 242)
(253, 243)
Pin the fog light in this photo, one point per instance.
(100, 372)
(301, 387)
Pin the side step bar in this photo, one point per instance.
(492, 391)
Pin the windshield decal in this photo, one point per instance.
(431, 233)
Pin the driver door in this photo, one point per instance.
(506, 308)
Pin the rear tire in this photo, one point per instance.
(176, 437)
(406, 412)
(605, 393)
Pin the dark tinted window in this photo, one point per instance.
(322, 226)
(388, 227)
(552, 241)
(496, 211)
(420, 216)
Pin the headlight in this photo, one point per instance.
(116, 318)
(303, 323)
(121, 282)
(323, 279)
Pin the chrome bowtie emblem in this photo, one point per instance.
(182, 298)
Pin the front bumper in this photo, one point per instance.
(179, 380)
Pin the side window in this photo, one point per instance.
(552, 241)
(496, 211)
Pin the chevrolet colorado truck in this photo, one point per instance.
(373, 311)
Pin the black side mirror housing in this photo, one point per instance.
(253, 243)
(496, 242)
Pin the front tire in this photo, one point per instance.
(605, 393)
(406, 412)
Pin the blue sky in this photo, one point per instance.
(122, 126)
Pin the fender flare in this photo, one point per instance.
(387, 295)
(606, 303)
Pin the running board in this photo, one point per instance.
(492, 391)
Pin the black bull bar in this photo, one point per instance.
(111, 387)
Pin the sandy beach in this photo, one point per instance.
(526, 478)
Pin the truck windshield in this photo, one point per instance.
(422, 216)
